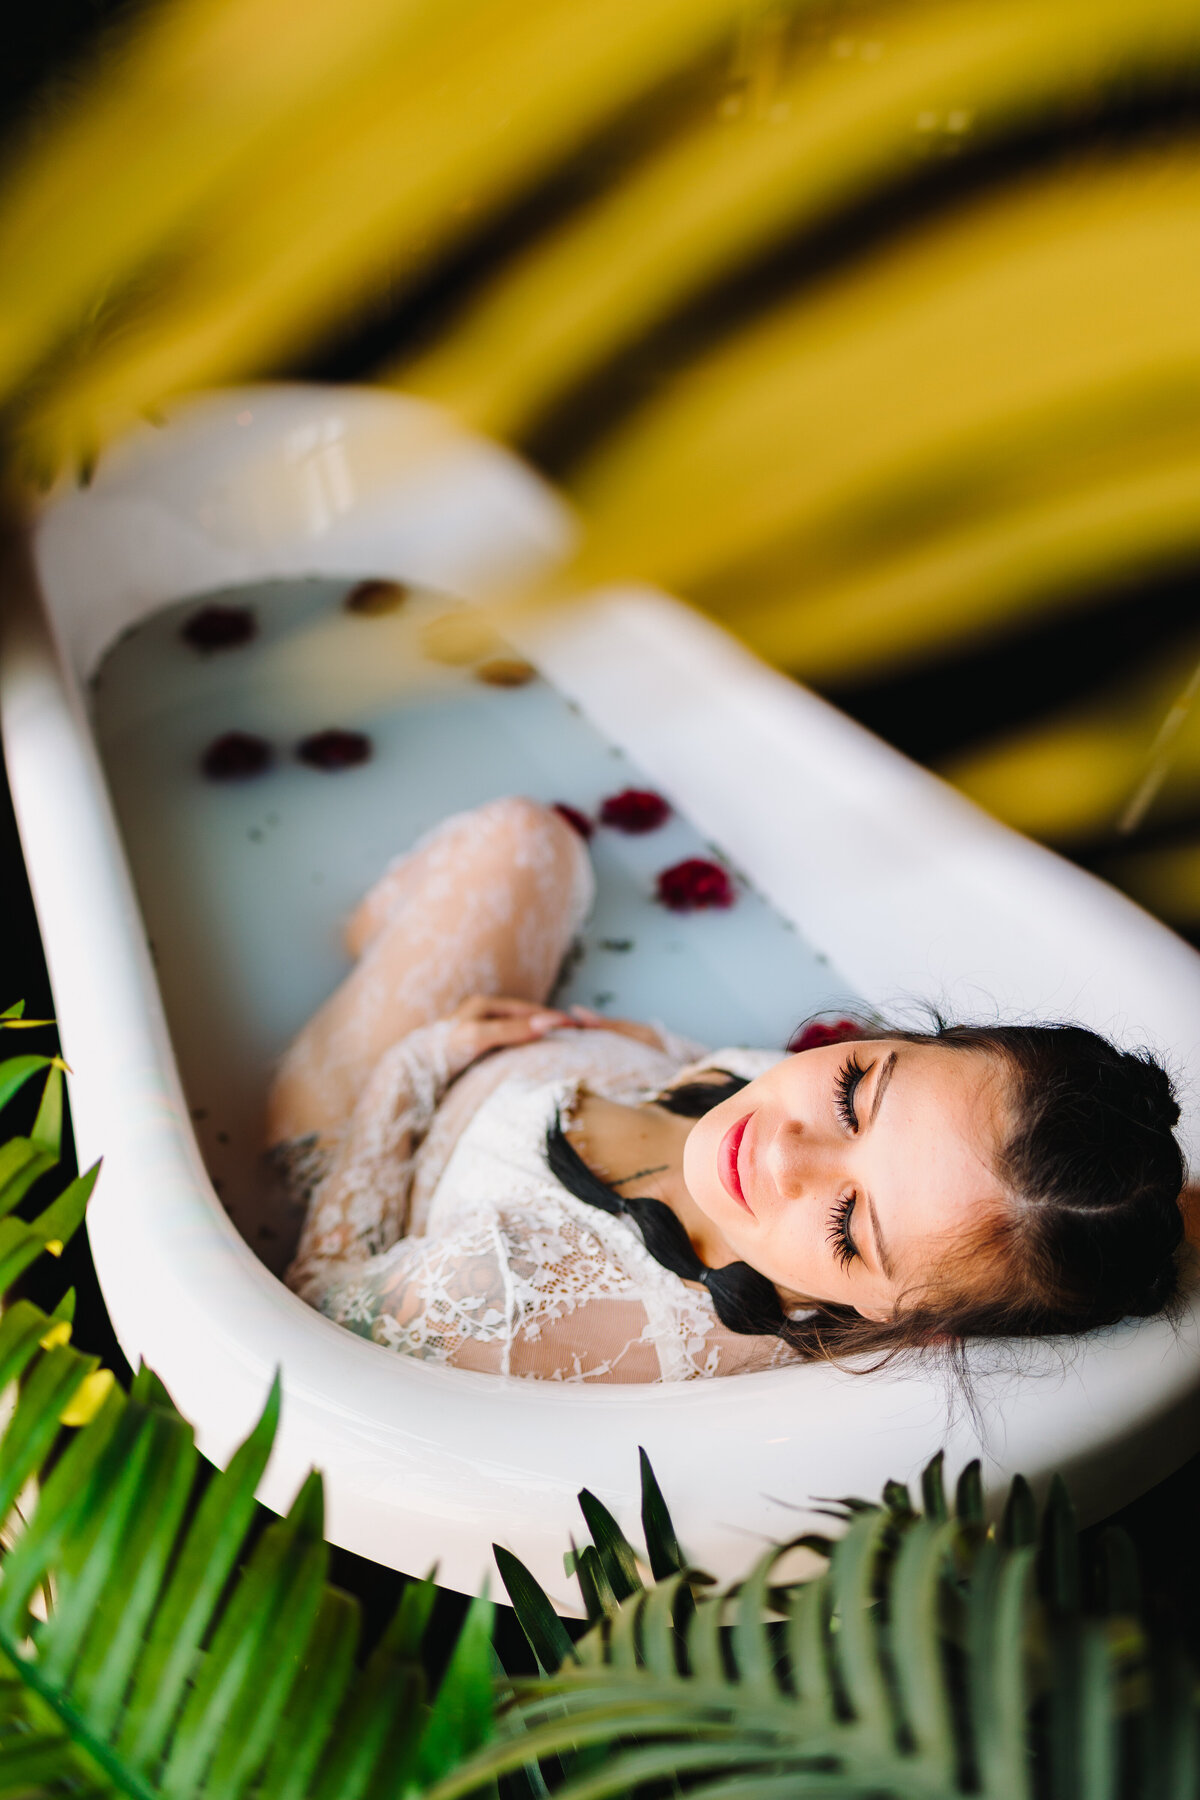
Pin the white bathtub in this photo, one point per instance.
(426, 1465)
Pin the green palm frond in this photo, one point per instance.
(155, 1642)
(937, 1656)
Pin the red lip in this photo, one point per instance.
(727, 1162)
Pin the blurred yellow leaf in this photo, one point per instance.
(855, 109)
(965, 341)
(201, 88)
(1166, 880)
(386, 172)
(1072, 777)
(88, 1398)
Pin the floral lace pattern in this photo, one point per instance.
(433, 1225)
(506, 1272)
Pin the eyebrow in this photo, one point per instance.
(885, 1075)
(881, 1250)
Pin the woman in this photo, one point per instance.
(502, 1186)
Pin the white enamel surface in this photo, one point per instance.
(911, 892)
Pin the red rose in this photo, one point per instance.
(220, 628)
(635, 810)
(816, 1035)
(334, 749)
(690, 885)
(236, 757)
(578, 821)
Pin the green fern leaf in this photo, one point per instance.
(154, 1643)
(662, 1545)
(934, 1657)
(612, 1547)
(545, 1631)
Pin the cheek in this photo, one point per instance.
(698, 1157)
(700, 1151)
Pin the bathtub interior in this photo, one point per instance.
(242, 884)
(288, 495)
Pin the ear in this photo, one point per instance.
(878, 1315)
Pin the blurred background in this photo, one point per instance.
(871, 329)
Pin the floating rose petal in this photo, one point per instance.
(236, 756)
(220, 628)
(370, 598)
(505, 671)
(334, 749)
(693, 884)
(578, 821)
(818, 1033)
(635, 810)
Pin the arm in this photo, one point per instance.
(481, 1298)
(359, 1208)
(657, 1035)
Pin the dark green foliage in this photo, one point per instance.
(156, 1643)
(937, 1656)
(153, 1641)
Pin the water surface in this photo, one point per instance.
(243, 885)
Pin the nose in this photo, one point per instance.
(799, 1158)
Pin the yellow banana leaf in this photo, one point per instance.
(983, 546)
(1130, 754)
(853, 111)
(203, 89)
(967, 338)
(1166, 880)
(370, 189)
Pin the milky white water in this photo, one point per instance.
(243, 884)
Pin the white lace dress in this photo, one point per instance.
(435, 1227)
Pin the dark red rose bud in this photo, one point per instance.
(371, 598)
(690, 885)
(505, 672)
(635, 810)
(236, 756)
(577, 820)
(816, 1035)
(220, 628)
(335, 749)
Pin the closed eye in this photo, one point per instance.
(845, 1085)
(842, 1243)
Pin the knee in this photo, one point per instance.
(523, 824)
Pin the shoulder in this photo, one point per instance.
(735, 1059)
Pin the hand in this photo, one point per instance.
(489, 1022)
(587, 1020)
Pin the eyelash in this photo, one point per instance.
(846, 1083)
(844, 1248)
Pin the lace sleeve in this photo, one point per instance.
(504, 1294)
(533, 1292)
(358, 1207)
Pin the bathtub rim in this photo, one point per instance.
(140, 1120)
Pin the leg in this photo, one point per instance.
(486, 904)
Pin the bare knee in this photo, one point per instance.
(521, 820)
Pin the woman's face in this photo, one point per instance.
(846, 1173)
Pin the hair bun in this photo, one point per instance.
(1151, 1091)
(1159, 1291)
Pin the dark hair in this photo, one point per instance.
(1091, 1233)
